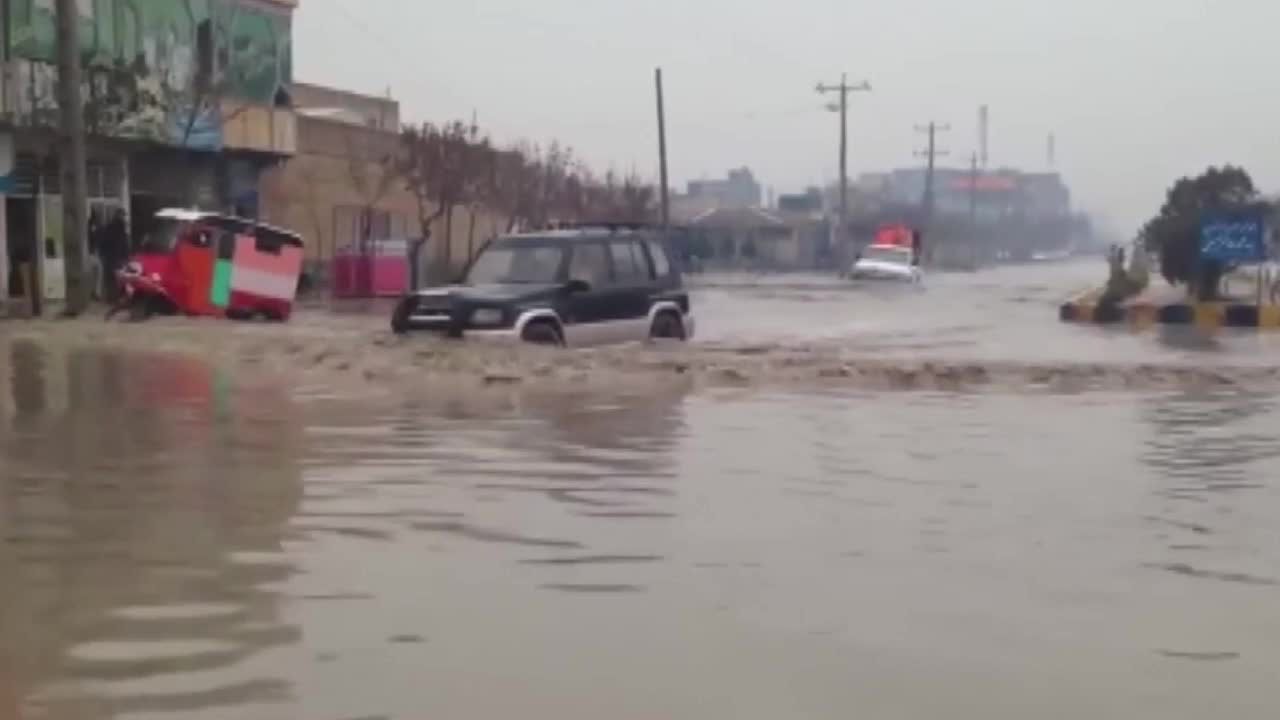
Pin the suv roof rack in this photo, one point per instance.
(604, 225)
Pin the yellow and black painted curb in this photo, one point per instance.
(1206, 314)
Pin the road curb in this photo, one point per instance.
(1208, 314)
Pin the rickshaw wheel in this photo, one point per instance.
(140, 309)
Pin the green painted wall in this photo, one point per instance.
(251, 47)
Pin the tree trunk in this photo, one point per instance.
(448, 242)
(1209, 281)
(471, 237)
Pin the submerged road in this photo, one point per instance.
(1007, 314)
(183, 539)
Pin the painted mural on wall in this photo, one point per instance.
(155, 69)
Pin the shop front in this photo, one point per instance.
(34, 250)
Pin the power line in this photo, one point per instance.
(383, 42)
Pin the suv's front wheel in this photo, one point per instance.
(667, 325)
(542, 332)
(400, 318)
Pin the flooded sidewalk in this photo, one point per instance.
(187, 539)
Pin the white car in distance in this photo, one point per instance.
(886, 262)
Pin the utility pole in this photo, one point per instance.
(984, 135)
(973, 208)
(72, 159)
(931, 153)
(973, 191)
(662, 153)
(843, 90)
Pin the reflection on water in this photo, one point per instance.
(143, 501)
(179, 542)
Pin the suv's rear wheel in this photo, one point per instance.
(542, 332)
(667, 325)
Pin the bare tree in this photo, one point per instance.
(614, 199)
(443, 167)
(637, 200)
(555, 171)
(505, 189)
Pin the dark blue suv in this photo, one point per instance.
(579, 287)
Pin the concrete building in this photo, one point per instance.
(810, 201)
(756, 239)
(376, 113)
(341, 187)
(340, 183)
(186, 103)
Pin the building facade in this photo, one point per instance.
(186, 103)
(995, 194)
(341, 191)
(757, 239)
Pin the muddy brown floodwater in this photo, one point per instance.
(186, 538)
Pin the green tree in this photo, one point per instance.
(1175, 232)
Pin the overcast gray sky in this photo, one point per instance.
(1137, 91)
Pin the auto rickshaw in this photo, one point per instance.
(206, 264)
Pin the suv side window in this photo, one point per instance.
(589, 263)
(658, 253)
(642, 261)
(629, 266)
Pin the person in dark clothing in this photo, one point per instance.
(113, 248)
(917, 247)
(20, 255)
(96, 276)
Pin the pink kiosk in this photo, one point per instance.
(378, 269)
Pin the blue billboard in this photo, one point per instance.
(1234, 239)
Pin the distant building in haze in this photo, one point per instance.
(810, 201)
(993, 193)
(738, 190)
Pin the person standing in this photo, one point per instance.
(113, 249)
(96, 276)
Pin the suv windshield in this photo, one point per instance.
(517, 264)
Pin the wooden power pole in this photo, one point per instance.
(973, 191)
(662, 153)
(843, 90)
(75, 211)
(931, 153)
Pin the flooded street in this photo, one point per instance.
(999, 314)
(178, 539)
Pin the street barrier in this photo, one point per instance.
(1203, 314)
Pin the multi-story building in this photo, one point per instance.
(186, 102)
